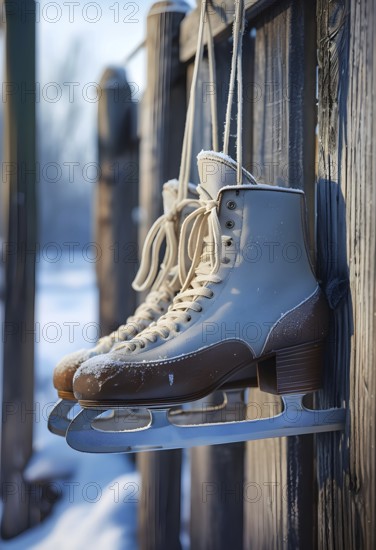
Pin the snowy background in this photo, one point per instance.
(99, 494)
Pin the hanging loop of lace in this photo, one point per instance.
(236, 72)
(163, 229)
(205, 228)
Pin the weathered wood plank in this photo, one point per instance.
(217, 497)
(163, 110)
(159, 514)
(116, 199)
(347, 195)
(280, 472)
(19, 509)
(162, 127)
(221, 13)
(265, 497)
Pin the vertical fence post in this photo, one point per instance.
(347, 233)
(279, 507)
(162, 126)
(18, 329)
(116, 199)
(217, 472)
(163, 108)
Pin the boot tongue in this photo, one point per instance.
(169, 194)
(217, 170)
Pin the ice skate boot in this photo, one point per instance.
(250, 298)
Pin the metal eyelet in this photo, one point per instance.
(229, 224)
(231, 205)
(228, 243)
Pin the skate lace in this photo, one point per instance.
(204, 245)
(165, 284)
(163, 229)
(148, 311)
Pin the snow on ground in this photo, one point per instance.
(99, 492)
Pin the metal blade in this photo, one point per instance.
(58, 420)
(166, 432)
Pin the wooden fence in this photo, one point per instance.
(309, 122)
(19, 195)
(309, 76)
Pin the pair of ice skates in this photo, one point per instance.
(235, 304)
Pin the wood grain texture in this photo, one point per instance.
(265, 490)
(163, 113)
(162, 126)
(20, 509)
(159, 509)
(217, 497)
(282, 129)
(347, 194)
(221, 13)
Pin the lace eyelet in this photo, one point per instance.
(228, 243)
(199, 310)
(189, 318)
(231, 205)
(230, 224)
(142, 345)
(211, 295)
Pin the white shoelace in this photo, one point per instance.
(205, 245)
(163, 229)
(147, 312)
(236, 70)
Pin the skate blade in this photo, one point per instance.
(132, 419)
(165, 431)
(59, 419)
(128, 419)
